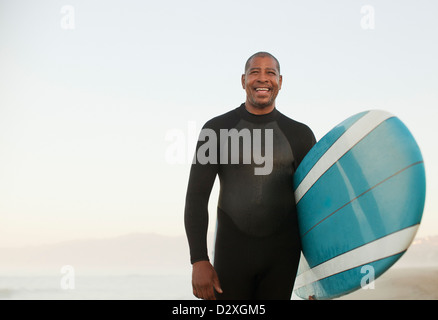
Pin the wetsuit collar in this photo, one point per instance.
(257, 118)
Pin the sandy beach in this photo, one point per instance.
(419, 283)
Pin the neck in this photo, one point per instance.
(259, 110)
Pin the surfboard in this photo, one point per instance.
(360, 194)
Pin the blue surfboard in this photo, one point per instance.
(360, 195)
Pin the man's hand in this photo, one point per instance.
(204, 279)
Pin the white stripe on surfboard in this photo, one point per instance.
(349, 138)
(387, 246)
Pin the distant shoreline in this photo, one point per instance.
(399, 283)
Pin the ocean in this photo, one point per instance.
(97, 287)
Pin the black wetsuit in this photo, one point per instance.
(257, 245)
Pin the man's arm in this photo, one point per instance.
(201, 180)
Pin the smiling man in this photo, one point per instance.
(257, 245)
(262, 82)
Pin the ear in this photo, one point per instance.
(243, 81)
(280, 82)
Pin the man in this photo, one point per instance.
(257, 246)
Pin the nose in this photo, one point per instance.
(263, 78)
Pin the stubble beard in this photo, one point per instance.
(261, 105)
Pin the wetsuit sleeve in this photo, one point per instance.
(308, 141)
(300, 136)
(201, 182)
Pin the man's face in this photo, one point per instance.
(262, 81)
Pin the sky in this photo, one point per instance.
(96, 95)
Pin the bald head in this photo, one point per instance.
(261, 54)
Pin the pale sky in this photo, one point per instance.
(85, 111)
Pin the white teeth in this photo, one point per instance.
(262, 89)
